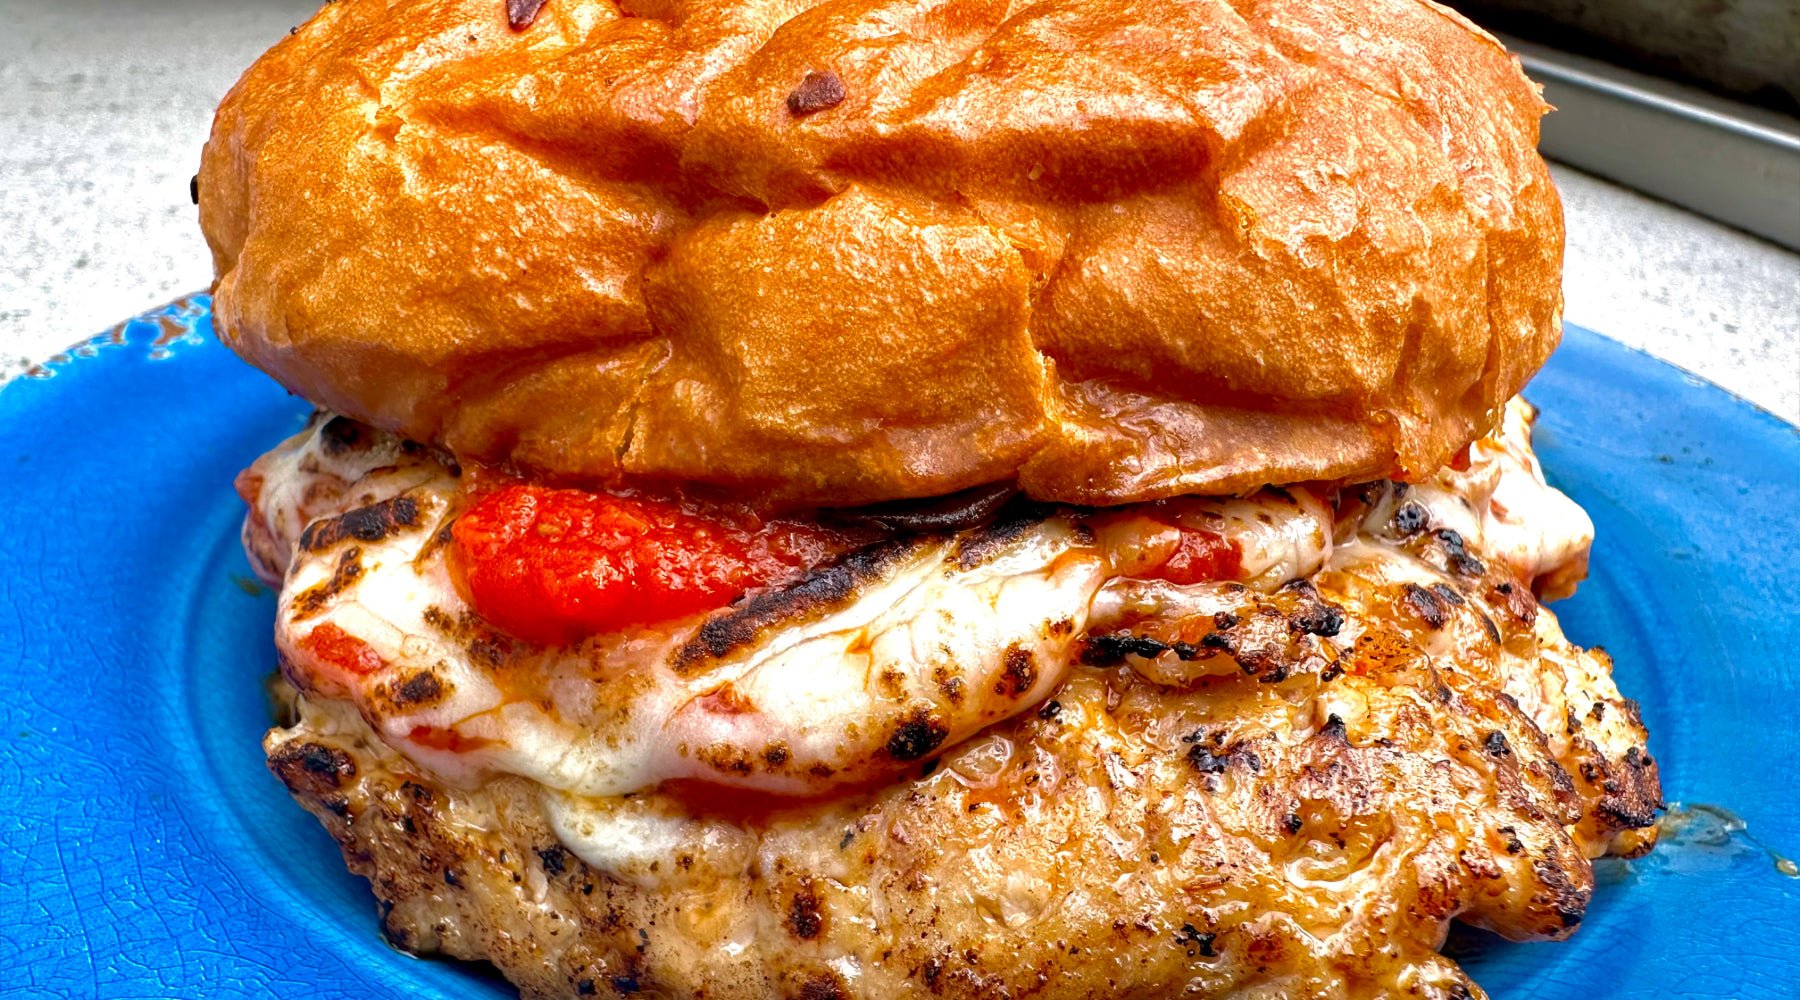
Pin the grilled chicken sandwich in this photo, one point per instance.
(941, 499)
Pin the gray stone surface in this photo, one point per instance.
(1720, 303)
(104, 105)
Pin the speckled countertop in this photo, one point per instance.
(104, 105)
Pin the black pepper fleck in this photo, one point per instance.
(1410, 519)
(1196, 942)
(1460, 559)
(1496, 744)
(1205, 761)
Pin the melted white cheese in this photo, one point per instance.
(1503, 505)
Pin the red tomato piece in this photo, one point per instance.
(332, 645)
(446, 739)
(554, 565)
(1202, 557)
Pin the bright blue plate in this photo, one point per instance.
(144, 851)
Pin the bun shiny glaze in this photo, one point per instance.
(849, 252)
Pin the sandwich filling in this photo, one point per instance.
(606, 645)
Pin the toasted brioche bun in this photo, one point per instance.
(1112, 251)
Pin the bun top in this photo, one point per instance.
(854, 251)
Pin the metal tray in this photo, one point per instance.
(1728, 161)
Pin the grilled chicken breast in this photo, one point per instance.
(985, 761)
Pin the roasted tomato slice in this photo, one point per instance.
(1201, 557)
(555, 565)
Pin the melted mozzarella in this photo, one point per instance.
(1502, 505)
(636, 839)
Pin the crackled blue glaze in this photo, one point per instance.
(144, 850)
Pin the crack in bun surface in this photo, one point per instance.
(1110, 251)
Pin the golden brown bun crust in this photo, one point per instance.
(1113, 250)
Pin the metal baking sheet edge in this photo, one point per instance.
(1731, 162)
